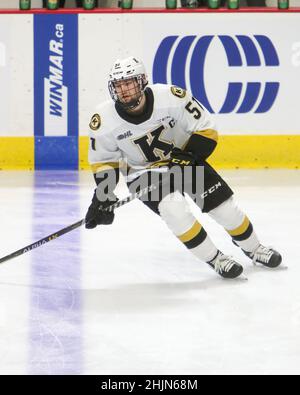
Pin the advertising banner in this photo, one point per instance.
(242, 67)
(56, 90)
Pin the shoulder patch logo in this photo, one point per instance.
(178, 92)
(95, 122)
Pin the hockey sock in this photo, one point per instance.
(237, 224)
(175, 211)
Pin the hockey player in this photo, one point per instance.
(162, 126)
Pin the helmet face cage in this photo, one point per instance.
(142, 82)
(127, 95)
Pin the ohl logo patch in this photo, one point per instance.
(179, 61)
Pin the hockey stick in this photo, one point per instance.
(76, 225)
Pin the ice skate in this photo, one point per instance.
(266, 256)
(226, 266)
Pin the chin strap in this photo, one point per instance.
(131, 106)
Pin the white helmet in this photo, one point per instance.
(126, 69)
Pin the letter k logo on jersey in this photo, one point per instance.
(153, 147)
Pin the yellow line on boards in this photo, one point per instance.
(257, 152)
(16, 153)
(233, 151)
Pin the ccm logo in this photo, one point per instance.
(211, 190)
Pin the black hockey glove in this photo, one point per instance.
(182, 158)
(97, 215)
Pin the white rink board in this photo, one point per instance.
(105, 37)
(16, 75)
(136, 34)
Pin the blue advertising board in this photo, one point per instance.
(56, 91)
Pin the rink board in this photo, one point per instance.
(54, 72)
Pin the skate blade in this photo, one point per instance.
(241, 277)
(275, 269)
(280, 267)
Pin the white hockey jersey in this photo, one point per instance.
(172, 115)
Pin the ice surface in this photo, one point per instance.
(130, 299)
